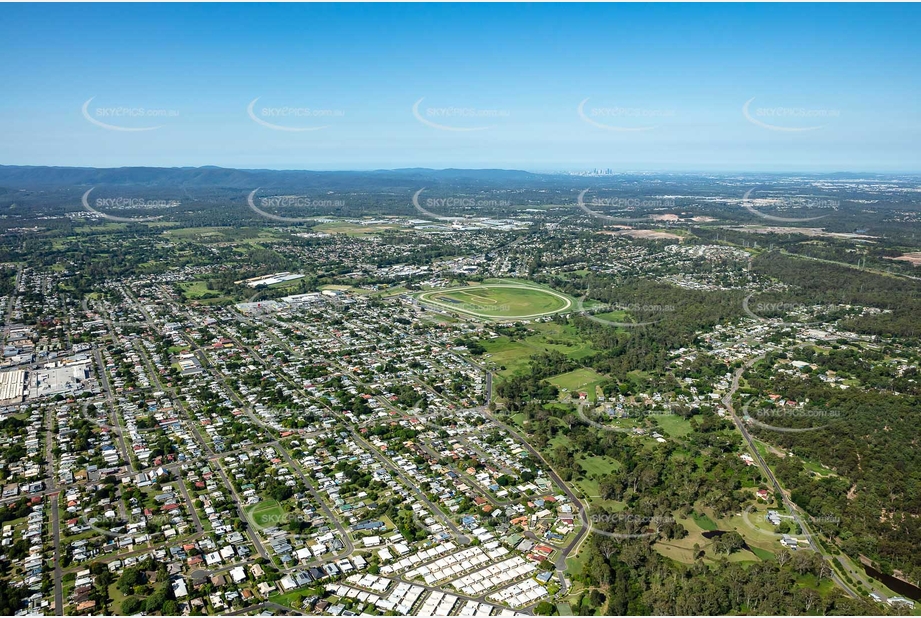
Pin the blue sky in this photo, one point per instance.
(835, 87)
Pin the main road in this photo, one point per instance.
(110, 404)
(582, 533)
(58, 556)
(769, 474)
(52, 490)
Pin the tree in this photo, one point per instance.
(619, 594)
(808, 598)
(170, 608)
(729, 542)
(130, 578)
(130, 606)
(156, 601)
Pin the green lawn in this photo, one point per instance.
(673, 425)
(598, 464)
(505, 300)
(580, 380)
(244, 235)
(291, 599)
(519, 419)
(195, 290)
(514, 356)
(816, 468)
(266, 514)
(682, 550)
(614, 316)
(703, 521)
(559, 439)
(575, 563)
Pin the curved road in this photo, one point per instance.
(584, 530)
(769, 474)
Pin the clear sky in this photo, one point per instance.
(835, 87)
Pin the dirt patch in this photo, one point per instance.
(647, 234)
(912, 258)
(816, 232)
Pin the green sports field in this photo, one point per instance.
(266, 514)
(579, 380)
(498, 301)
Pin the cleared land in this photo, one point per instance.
(354, 228)
(647, 234)
(913, 258)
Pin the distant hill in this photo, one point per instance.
(208, 177)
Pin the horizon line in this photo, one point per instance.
(545, 172)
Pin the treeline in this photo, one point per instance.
(532, 386)
(815, 282)
(673, 317)
(653, 483)
(869, 499)
(659, 486)
(631, 578)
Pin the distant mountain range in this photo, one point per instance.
(200, 177)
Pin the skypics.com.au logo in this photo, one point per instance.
(762, 311)
(269, 117)
(107, 117)
(456, 525)
(126, 203)
(623, 119)
(647, 314)
(775, 519)
(632, 202)
(788, 119)
(625, 203)
(806, 202)
(422, 206)
(762, 417)
(475, 307)
(620, 526)
(270, 521)
(463, 202)
(111, 525)
(624, 526)
(627, 414)
(636, 309)
(453, 118)
(290, 201)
